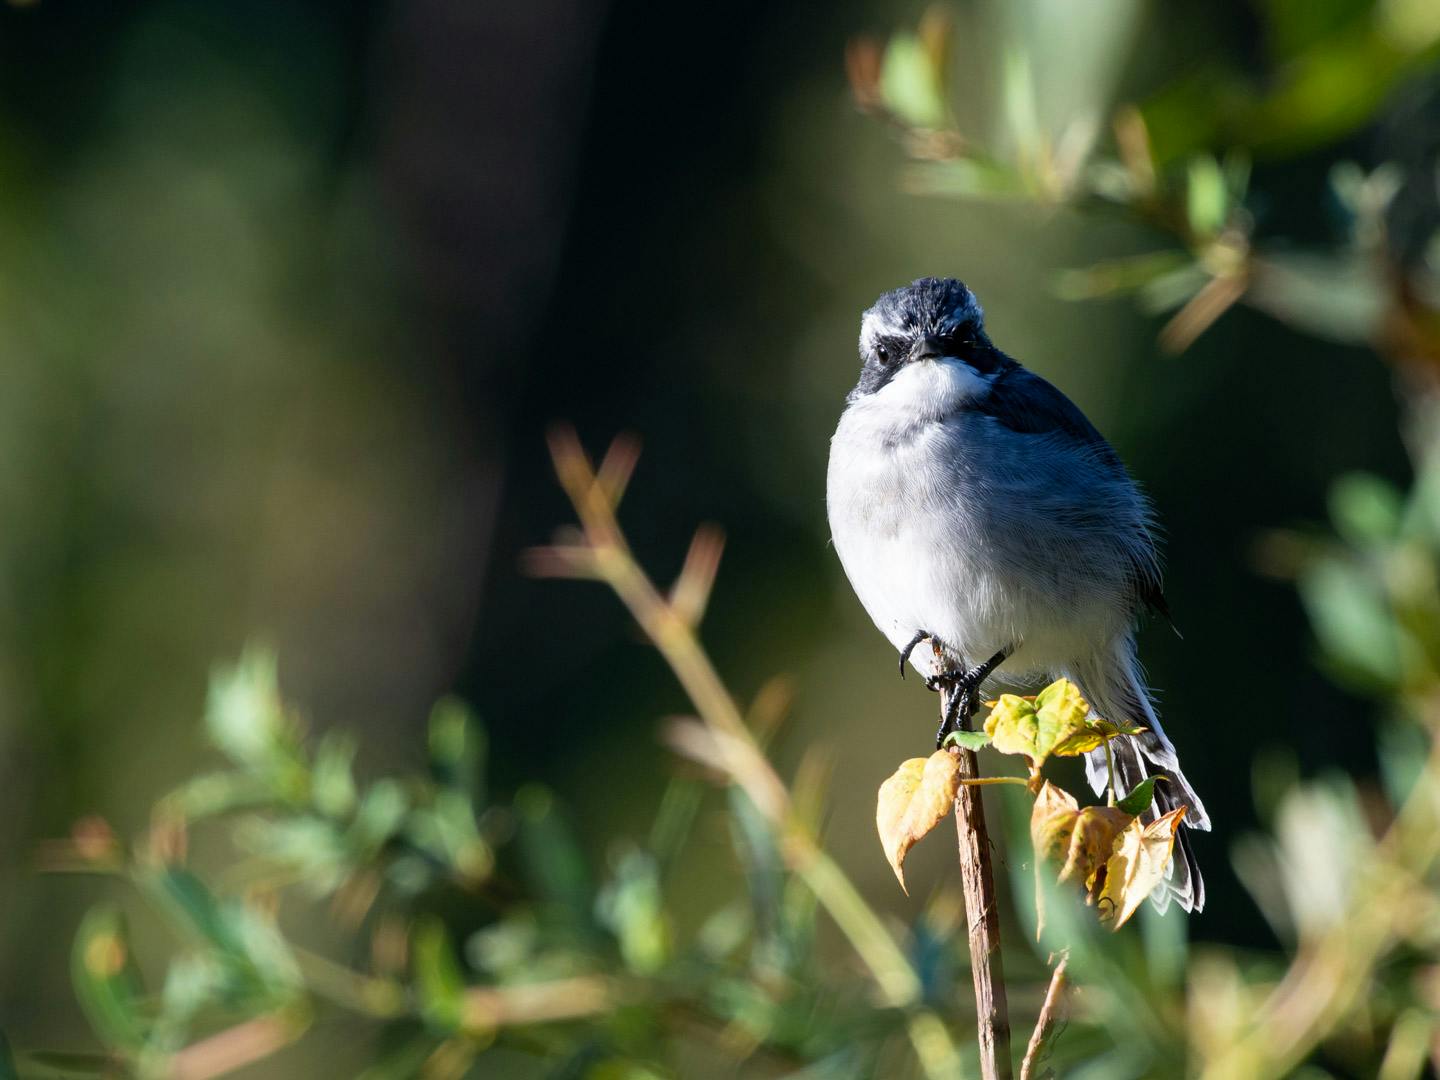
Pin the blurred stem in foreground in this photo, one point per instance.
(722, 740)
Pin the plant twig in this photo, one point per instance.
(1051, 1013)
(603, 554)
(977, 876)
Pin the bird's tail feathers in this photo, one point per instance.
(1113, 685)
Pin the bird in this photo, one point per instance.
(977, 510)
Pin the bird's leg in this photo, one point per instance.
(965, 694)
(920, 635)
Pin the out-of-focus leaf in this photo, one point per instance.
(192, 982)
(380, 816)
(1351, 617)
(916, 798)
(1137, 867)
(244, 712)
(1139, 798)
(553, 860)
(439, 985)
(912, 82)
(217, 793)
(505, 947)
(1206, 199)
(447, 830)
(105, 979)
(1119, 275)
(457, 749)
(632, 908)
(332, 784)
(1172, 289)
(963, 177)
(248, 943)
(307, 844)
(1337, 297)
(1366, 509)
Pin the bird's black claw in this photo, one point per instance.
(920, 635)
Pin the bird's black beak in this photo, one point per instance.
(926, 348)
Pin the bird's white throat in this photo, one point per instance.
(921, 392)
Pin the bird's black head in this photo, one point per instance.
(929, 319)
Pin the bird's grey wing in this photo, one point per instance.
(1026, 403)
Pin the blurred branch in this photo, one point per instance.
(235, 1048)
(1051, 1014)
(732, 748)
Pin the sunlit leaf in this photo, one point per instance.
(916, 797)
(1057, 721)
(1205, 196)
(1140, 796)
(244, 713)
(912, 84)
(970, 740)
(1141, 855)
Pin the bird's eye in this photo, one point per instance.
(882, 353)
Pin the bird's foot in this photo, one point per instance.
(964, 700)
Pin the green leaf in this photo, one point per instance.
(1366, 509)
(380, 816)
(243, 713)
(438, 981)
(1205, 196)
(970, 740)
(1140, 796)
(249, 945)
(457, 748)
(632, 908)
(106, 982)
(447, 830)
(912, 83)
(332, 783)
(1352, 618)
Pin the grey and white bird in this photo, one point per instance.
(975, 509)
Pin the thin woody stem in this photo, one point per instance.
(1051, 1013)
(977, 875)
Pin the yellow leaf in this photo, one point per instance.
(1055, 721)
(1141, 855)
(917, 796)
